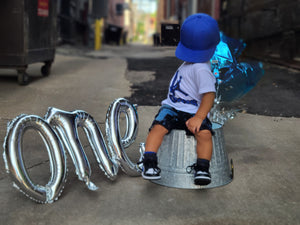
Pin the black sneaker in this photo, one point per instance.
(150, 169)
(201, 176)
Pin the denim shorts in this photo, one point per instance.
(171, 118)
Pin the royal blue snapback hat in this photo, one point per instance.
(199, 37)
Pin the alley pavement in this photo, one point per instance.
(262, 141)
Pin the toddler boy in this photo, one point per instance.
(190, 98)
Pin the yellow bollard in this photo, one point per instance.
(98, 33)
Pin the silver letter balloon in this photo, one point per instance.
(59, 131)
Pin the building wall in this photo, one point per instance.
(269, 27)
(73, 21)
(178, 10)
(113, 17)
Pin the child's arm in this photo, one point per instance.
(194, 123)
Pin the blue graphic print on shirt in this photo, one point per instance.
(175, 86)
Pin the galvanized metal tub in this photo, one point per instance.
(178, 151)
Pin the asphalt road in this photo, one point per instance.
(276, 94)
(264, 149)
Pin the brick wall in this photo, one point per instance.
(269, 27)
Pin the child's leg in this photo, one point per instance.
(204, 153)
(155, 138)
(204, 144)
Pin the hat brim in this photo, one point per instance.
(193, 56)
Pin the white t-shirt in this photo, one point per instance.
(188, 85)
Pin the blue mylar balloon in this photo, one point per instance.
(234, 79)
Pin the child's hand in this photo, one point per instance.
(194, 124)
